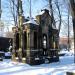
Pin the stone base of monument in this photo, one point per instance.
(53, 59)
(7, 57)
(53, 56)
(34, 60)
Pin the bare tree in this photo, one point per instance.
(51, 11)
(13, 8)
(58, 8)
(14, 12)
(68, 31)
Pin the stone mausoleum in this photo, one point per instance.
(39, 41)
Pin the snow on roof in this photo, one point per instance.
(53, 27)
(42, 12)
(31, 21)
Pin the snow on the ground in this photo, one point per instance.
(66, 63)
(66, 52)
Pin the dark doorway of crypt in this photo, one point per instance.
(44, 44)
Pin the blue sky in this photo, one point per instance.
(37, 5)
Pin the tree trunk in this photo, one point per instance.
(74, 36)
(72, 2)
(68, 33)
(20, 22)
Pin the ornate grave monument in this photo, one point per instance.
(39, 41)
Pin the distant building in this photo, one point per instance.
(63, 42)
(5, 43)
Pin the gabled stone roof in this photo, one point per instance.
(32, 21)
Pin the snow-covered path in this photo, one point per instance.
(65, 64)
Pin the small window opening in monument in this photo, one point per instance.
(44, 41)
